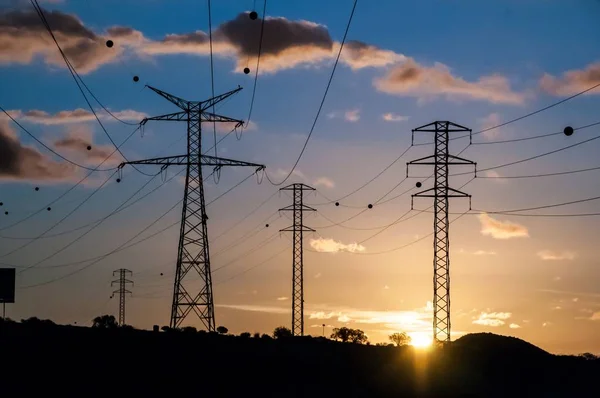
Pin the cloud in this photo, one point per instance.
(323, 245)
(324, 181)
(493, 319)
(488, 122)
(282, 298)
(226, 127)
(20, 162)
(23, 38)
(75, 116)
(514, 326)
(76, 143)
(501, 229)
(352, 115)
(572, 81)
(484, 253)
(386, 287)
(426, 83)
(324, 315)
(548, 255)
(546, 324)
(318, 275)
(255, 308)
(392, 117)
(595, 316)
(286, 43)
(360, 55)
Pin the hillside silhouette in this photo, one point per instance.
(42, 357)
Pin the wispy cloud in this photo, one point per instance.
(255, 308)
(324, 181)
(549, 255)
(514, 326)
(352, 115)
(324, 245)
(595, 316)
(572, 81)
(283, 298)
(493, 319)
(501, 229)
(426, 83)
(488, 123)
(78, 115)
(392, 117)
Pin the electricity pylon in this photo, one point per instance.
(193, 252)
(123, 292)
(441, 192)
(298, 228)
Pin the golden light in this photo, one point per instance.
(420, 340)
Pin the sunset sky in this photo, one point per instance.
(405, 64)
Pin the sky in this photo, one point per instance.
(404, 64)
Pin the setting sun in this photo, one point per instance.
(420, 341)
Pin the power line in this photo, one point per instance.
(322, 100)
(260, 42)
(49, 148)
(75, 76)
(212, 73)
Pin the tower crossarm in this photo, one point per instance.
(302, 228)
(207, 160)
(204, 105)
(185, 160)
(302, 208)
(181, 103)
(211, 117)
(169, 117)
(431, 161)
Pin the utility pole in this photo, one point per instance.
(298, 228)
(193, 253)
(441, 192)
(122, 281)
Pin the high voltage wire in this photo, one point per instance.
(212, 73)
(75, 76)
(72, 242)
(337, 59)
(123, 247)
(260, 42)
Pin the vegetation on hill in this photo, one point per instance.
(63, 360)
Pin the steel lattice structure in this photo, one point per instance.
(193, 252)
(123, 292)
(441, 192)
(298, 228)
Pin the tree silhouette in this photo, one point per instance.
(400, 339)
(105, 322)
(190, 329)
(245, 335)
(345, 335)
(256, 335)
(281, 332)
(222, 330)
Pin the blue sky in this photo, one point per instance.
(476, 64)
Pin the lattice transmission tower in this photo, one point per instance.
(193, 252)
(122, 291)
(298, 228)
(441, 192)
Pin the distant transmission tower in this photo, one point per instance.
(122, 281)
(193, 254)
(297, 261)
(441, 160)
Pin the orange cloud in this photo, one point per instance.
(501, 229)
(414, 80)
(572, 82)
(323, 245)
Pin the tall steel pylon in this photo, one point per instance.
(123, 292)
(193, 252)
(441, 192)
(298, 228)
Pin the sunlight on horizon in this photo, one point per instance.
(420, 340)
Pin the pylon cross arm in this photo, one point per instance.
(184, 160)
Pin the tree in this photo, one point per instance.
(589, 356)
(400, 339)
(281, 332)
(190, 329)
(222, 330)
(245, 335)
(256, 335)
(345, 335)
(105, 322)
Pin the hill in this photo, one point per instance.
(70, 360)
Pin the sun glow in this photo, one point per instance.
(420, 341)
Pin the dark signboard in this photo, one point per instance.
(7, 285)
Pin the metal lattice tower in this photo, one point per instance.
(193, 253)
(123, 292)
(441, 192)
(298, 228)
